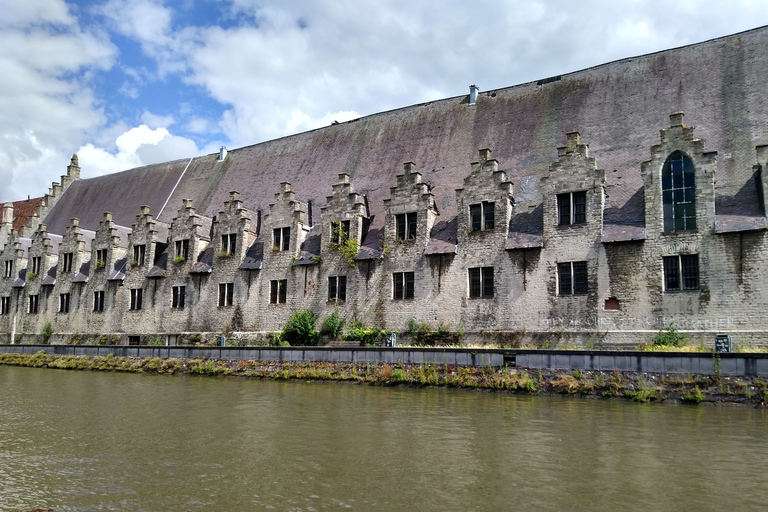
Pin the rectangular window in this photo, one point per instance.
(228, 243)
(136, 295)
(278, 289)
(182, 250)
(8, 268)
(405, 225)
(179, 293)
(681, 272)
(5, 305)
(482, 216)
(571, 208)
(34, 302)
(339, 231)
(101, 258)
(98, 301)
(64, 303)
(572, 278)
(139, 252)
(337, 288)
(281, 239)
(403, 284)
(37, 264)
(481, 282)
(226, 294)
(67, 266)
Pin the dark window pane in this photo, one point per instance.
(411, 225)
(331, 288)
(230, 294)
(409, 285)
(476, 217)
(345, 230)
(400, 221)
(666, 181)
(474, 282)
(273, 292)
(580, 277)
(564, 209)
(689, 179)
(677, 180)
(690, 264)
(283, 286)
(677, 163)
(671, 273)
(397, 281)
(342, 295)
(579, 207)
(679, 196)
(277, 243)
(564, 278)
(489, 215)
(487, 281)
(286, 239)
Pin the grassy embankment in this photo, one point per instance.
(640, 387)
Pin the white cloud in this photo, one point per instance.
(156, 121)
(136, 147)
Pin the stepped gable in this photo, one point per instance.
(22, 211)
(122, 193)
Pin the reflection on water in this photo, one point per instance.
(96, 441)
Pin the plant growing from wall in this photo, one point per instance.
(347, 247)
(31, 275)
(669, 338)
(100, 264)
(179, 259)
(300, 329)
(237, 322)
(46, 333)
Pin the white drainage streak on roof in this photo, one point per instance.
(174, 188)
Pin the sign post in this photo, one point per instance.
(723, 343)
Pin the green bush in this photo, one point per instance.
(300, 329)
(358, 331)
(47, 332)
(333, 325)
(670, 338)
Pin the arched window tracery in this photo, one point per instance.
(678, 185)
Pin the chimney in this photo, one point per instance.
(473, 90)
(222, 153)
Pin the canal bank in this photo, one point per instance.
(616, 384)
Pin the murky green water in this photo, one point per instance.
(101, 441)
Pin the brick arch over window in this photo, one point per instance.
(678, 185)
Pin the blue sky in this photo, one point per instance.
(134, 82)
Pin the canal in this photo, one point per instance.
(82, 441)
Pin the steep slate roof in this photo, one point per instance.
(122, 193)
(618, 107)
(22, 211)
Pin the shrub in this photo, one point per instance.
(276, 340)
(670, 338)
(300, 329)
(156, 341)
(47, 332)
(358, 331)
(333, 325)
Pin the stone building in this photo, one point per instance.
(575, 209)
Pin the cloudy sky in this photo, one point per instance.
(126, 83)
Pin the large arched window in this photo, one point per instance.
(678, 185)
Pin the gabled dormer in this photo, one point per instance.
(410, 212)
(234, 229)
(40, 255)
(105, 247)
(187, 236)
(344, 217)
(679, 183)
(12, 257)
(484, 203)
(143, 241)
(285, 226)
(573, 193)
(71, 252)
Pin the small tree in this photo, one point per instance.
(300, 329)
(333, 325)
(47, 332)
